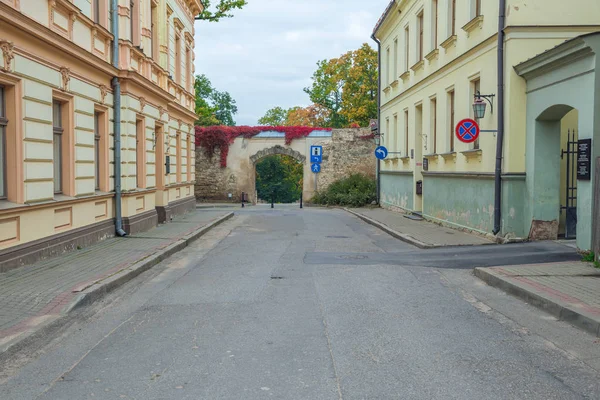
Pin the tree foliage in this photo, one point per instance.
(223, 9)
(279, 179)
(212, 106)
(276, 116)
(343, 93)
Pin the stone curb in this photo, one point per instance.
(560, 310)
(404, 237)
(99, 289)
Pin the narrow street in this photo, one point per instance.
(313, 304)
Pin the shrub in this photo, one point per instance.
(355, 191)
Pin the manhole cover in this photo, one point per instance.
(352, 257)
(339, 237)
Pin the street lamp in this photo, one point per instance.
(479, 105)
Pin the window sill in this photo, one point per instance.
(431, 156)
(448, 156)
(405, 159)
(433, 55)
(394, 84)
(473, 24)
(472, 154)
(405, 76)
(387, 89)
(451, 41)
(418, 66)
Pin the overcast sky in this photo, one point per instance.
(265, 55)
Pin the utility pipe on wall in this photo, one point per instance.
(378, 166)
(117, 119)
(500, 137)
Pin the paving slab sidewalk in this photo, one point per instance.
(422, 234)
(568, 290)
(33, 296)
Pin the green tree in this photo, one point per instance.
(276, 116)
(223, 9)
(212, 106)
(279, 178)
(326, 89)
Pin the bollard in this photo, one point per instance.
(272, 200)
(242, 199)
(300, 200)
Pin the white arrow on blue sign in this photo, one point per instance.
(316, 168)
(381, 152)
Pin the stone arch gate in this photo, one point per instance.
(345, 152)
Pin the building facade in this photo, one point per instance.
(436, 55)
(57, 102)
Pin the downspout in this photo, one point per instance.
(117, 119)
(378, 167)
(500, 136)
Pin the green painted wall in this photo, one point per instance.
(397, 190)
(468, 202)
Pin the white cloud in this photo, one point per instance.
(265, 55)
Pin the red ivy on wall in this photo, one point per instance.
(221, 136)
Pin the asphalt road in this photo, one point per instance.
(312, 304)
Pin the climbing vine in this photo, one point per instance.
(212, 137)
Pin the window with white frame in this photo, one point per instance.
(452, 17)
(395, 59)
(3, 125)
(57, 147)
(434, 24)
(420, 36)
(406, 48)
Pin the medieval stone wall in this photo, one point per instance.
(345, 153)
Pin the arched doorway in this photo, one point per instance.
(282, 176)
(554, 178)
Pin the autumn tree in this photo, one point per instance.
(313, 115)
(347, 87)
(223, 9)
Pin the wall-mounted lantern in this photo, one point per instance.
(479, 106)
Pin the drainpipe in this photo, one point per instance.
(500, 137)
(378, 168)
(117, 119)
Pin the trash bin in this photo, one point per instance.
(419, 187)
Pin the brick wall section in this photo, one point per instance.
(344, 155)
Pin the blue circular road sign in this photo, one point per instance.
(381, 152)
(316, 168)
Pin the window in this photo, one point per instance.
(477, 8)
(475, 88)
(3, 124)
(387, 130)
(434, 125)
(406, 132)
(154, 29)
(140, 152)
(57, 128)
(97, 149)
(177, 59)
(178, 160)
(451, 119)
(134, 22)
(387, 67)
(453, 16)
(434, 23)
(189, 158)
(407, 48)
(96, 5)
(188, 68)
(420, 38)
(395, 59)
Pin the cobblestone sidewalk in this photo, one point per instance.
(35, 293)
(569, 290)
(420, 233)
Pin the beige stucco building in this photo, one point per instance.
(58, 76)
(435, 56)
